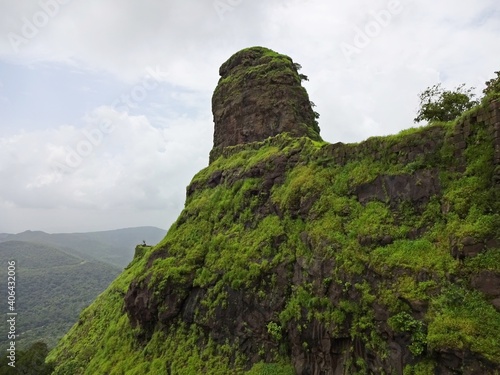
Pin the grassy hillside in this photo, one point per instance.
(297, 256)
(115, 247)
(52, 287)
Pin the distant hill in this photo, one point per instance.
(52, 287)
(115, 247)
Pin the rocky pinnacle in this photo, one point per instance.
(260, 95)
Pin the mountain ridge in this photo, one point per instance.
(115, 247)
(30, 231)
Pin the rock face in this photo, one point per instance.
(293, 256)
(259, 95)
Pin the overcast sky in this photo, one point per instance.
(105, 109)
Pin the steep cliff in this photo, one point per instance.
(296, 256)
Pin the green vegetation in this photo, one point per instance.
(421, 368)
(492, 89)
(437, 104)
(271, 369)
(462, 319)
(414, 255)
(405, 323)
(487, 261)
(350, 246)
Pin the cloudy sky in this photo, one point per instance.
(105, 104)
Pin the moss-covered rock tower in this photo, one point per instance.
(259, 95)
(299, 257)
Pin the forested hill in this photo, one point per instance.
(52, 288)
(60, 274)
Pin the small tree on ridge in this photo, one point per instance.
(437, 104)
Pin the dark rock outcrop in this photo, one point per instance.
(416, 188)
(259, 95)
(488, 282)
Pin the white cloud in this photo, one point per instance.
(159, 143)
(135, 167)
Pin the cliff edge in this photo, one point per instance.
(296, 256)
